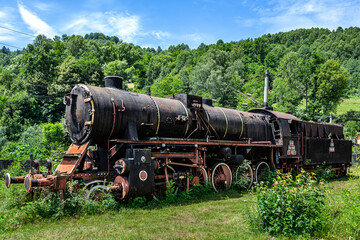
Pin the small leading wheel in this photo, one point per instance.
(97, 193)
(200, 176)
(244, 176)
(221, 176)
(262, 170)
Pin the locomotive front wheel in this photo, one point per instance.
(200, 176)
(221, 176)
(97, 193)
(262, 170)
(244, 175)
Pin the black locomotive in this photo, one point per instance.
(139, 143)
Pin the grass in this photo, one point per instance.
(220, 216)
(348, 104)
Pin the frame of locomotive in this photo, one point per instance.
(138, 143)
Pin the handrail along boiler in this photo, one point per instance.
(139, 143)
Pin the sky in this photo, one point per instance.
(168, 22)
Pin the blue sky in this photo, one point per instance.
(169, 22)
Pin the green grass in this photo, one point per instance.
(220, 216)
(348, 104)
(223, 217)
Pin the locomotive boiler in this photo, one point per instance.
(138, 143)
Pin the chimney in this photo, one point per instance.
(113, 82)
(266, 89)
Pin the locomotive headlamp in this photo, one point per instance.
(143, 175)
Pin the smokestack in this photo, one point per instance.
(113, 82)
(331, 118)
(266, 89)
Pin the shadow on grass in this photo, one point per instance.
(181, 199)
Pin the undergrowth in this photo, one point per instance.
(21, 208)
(171, 196)
(291, 206)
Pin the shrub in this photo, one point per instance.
(291, 206)
(324, 173)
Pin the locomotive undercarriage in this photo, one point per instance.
(145, 168)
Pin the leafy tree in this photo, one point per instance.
(159, 66)
(167, 86)
(288, 85)
(330, 87)
(20, 110)
(119, 68)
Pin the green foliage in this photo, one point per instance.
(43, 141)
(323, 173)
(331, 82)
(47, 205)
(53, 133)
(3, 138)
(119, 68)
(351, 226)
(167, 86)
(291, 206)
(19, 111)
(242, 178)
(138, 202)
(351, 128)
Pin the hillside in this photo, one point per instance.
(311, 70)
(348, 104)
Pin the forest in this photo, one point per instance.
(311, 71)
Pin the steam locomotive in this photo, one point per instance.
(138, 143)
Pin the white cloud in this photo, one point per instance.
(2, 15)
(284, 15)
(6, 38)
(125, 26)
(35, 23)
(42, 6)
(195, 37)
(160, 34)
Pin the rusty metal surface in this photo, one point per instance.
(174, 155)
(322, 130)
(90, 176)
(123, 185)
(221, 176)
(198, 143)
(98, 114)
(71, 160)
(275, 114)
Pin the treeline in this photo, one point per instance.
(310, 71)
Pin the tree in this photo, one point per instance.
(119, 68)
(167, 86)
(287, 85)
(20, 110)
(159, 66)
(330, 87)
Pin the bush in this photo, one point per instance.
(291, 206)
(324, 173)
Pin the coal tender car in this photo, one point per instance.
(135, 144)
